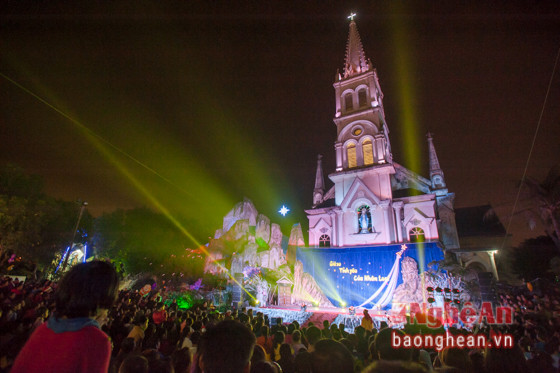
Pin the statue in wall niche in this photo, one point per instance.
(410, 291)
(364, 221)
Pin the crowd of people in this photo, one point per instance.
(84, 324)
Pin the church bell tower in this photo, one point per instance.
(363, 136)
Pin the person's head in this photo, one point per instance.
(265, 367)
(286, 352)
(134, 364)
(505, 360)
(336, 334)
(161, 366)
(195, 338)
(347, 343)
(264, 331)
(303, 361)
(456, 358)
(226, 348)
(331, 357)
(477, 360)
(259, 354)
(278, 338)
(127, 345)
(296, 336)
(384, 366)
(141, 321)
(86, 288)
(385, 350)
(181, 360)
(151, 354)
(313, 335)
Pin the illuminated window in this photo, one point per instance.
(357, 132)
(416, 234)
(367, 148)
(348, 104)
(324, 241)
(362, 97)
(351, 152)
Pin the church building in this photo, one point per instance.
(374, 200)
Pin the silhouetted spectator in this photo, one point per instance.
(134, 364)
(227, 348)
(72, 339)
(181, 360)
(303, 362)
(331, 357)
(505, 360)
(387, 366)
(266, 367)
(286, 361)
(259, 354)
(313, 335)
(385, 350)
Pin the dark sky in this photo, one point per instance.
(227, 100)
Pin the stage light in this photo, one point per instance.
(342, 304)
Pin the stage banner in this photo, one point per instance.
(349, 276)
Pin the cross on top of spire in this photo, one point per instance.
(355, 62)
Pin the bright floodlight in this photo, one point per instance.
(284, 210)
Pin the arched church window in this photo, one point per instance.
(351, 153)
(367, 148)
(362, 97)
(416, 234)
(325, 240)
(348, 104)
(364, 219)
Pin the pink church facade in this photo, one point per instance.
(374, 200)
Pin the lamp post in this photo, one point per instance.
(84, 204)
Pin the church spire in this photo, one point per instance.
(355, 62)
(319, 190)
(436, 174)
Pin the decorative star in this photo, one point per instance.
(403, 247)
(351, 16)
(284, 210)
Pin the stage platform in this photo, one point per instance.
(318, 315)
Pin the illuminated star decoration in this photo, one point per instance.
(351, 16)
(284, 210)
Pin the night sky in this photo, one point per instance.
(190, 106)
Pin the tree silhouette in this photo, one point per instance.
(544, 203)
